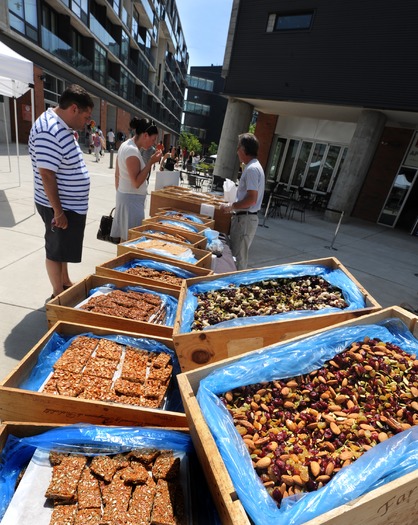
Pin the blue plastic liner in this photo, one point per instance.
(58, 343)
(187, 216)
(178, 224)
(155, 265)
(186, 257)
(93, 440)
(338, 278)
(169, 303)
(156, 232)
(385, 462)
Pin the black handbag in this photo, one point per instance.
(105, 228)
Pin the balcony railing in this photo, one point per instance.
(65, 52)
(105, 37)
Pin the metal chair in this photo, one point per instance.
(300, 207)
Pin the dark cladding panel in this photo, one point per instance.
(356, 53)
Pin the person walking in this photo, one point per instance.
(131, 177)
(97, 145)
(250, 192)
(61, 181)
(110, 139)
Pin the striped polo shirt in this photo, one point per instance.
(52, 146)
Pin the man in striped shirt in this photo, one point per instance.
(62, 181)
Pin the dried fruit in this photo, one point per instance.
(305, 429)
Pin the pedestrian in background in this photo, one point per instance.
(61, 181)
(250, 194)
(110, 139)
(131, 177)
(97, 145)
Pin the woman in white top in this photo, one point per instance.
(131, 177)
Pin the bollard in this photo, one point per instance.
(111, 159)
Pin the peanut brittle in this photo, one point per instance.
(100, 367)
(65, 478)
(128, 388)
(88, 517)
(166, 466)
(168, 508)
(161, 360)
(109, 350)
(104, 467)
(135, 474)
(88, 492)
(63, 514)
(141, 502)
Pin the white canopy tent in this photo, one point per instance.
(16, 78)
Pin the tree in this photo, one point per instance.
(190, 142)
(213, 148)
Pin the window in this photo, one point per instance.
(312, 165)
(199, 109)
(200, 83)
(23, 17)
(290, 22)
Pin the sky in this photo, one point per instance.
(205, 26)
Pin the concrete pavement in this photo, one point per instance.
(383, 260)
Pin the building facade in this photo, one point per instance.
(130, 55)
(204, 109)
(335, 88)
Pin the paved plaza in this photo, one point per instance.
(383, 260)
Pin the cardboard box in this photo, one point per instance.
(195, 239)
(391, 503)
(209, 222)
(213, 344)
(203, 257)
(186, 199)
(107, 269)
(62, 307)
(17, 404)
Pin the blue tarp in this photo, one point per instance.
(338, 278)
(383, 463)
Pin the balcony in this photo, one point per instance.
(105, 37)
(146, 13)
(65, 52)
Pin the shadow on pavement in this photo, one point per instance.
(26, 334)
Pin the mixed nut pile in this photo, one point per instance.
(301, 431)
(267, 297)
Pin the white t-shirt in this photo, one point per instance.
(126, 150)
(252, 178)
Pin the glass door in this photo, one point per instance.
(396, 199)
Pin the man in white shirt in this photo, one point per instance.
(250, 194)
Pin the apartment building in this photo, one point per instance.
(131, 56)
(334, 84)
(205, 106)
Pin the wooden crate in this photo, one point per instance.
(202, 347)
(199, 500)
(394, 502)
(196, 240)
(17, 404)
(156, 220)
(209, 222)
(107, 269)
(62, 307)
(185, 199)
(203, 257)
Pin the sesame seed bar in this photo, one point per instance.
(88, 493)
(166, 466)
(63, 514)
(65, 478)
